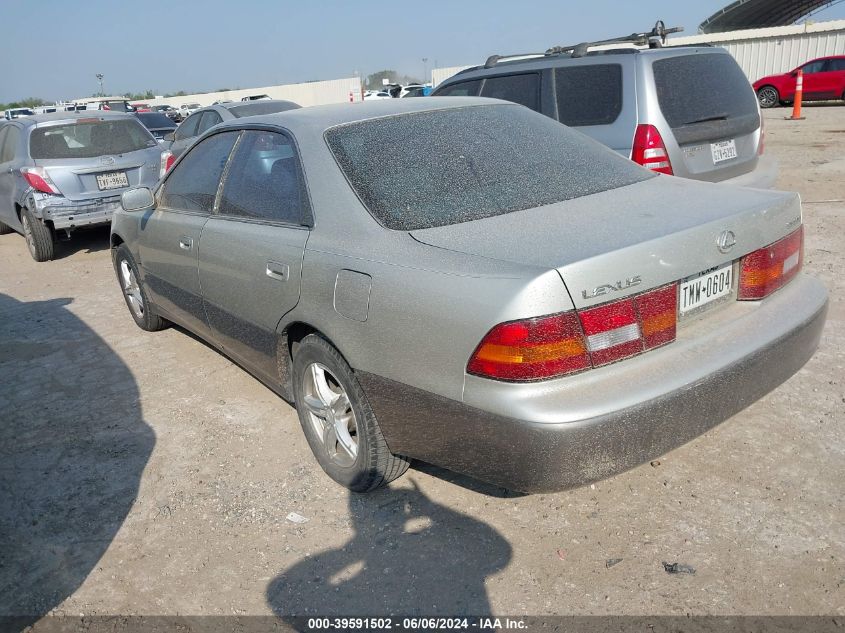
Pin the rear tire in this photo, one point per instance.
(5, 229)
(768, 96)
(337, 420)
(134, 293)
(39, 237)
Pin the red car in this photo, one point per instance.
(824, 78)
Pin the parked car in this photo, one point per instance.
(187, 109)
(157, 123)
(415, 91)
(253, 98)
(15, 113)
(687, 111)
(115, 105)
(372, 95)
(141, 107)
(62, 171)
(169, 111)
(203, 119)
(824, 78)
(497, 294)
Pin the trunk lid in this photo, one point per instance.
(660, 230)
(74, 153)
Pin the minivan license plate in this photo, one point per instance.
(723, 150)
(705, 287)
(112, 180)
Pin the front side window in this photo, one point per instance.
(88, 138)
(523, 89)
(193, 183)
(460, 164)
(836, 64)
(460, 89)
(264, 180)
(188, 128)
(814, 67)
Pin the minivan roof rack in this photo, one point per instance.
(655, 38)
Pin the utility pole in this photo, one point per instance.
(425, 70)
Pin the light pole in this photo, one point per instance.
(100, 79)
(425, 70)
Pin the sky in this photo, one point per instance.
(196, 45)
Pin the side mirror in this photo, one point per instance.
(137, 199)
(170, 136)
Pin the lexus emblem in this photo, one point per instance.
(726, 241)
(106, 160)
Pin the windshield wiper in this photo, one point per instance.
(715, 117)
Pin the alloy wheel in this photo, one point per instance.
(330, 413)
(131, 289)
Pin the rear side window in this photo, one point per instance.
(523, 89)
(460, 89)
(836, 64)
(9, 143)
(705, 97)
(463, 164)
(188, 128)
(193, 183)
(209, 119)
(589, 95)
(89, 138)
(264, 180)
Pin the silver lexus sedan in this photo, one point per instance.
(469, 283)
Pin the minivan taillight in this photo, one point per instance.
(767, 269)
(38, 179)
(569, 342)
(650, 151)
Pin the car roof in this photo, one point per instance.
(328, 116)
(71, 116)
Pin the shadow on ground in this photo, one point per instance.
(409, 556)
(88, 240)
(73, 445)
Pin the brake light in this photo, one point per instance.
(531, 349)
(767, 269)
(38, 179)
(650, 151)
(561, 344)
(167, 160)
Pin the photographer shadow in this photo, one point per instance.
(409, 556)
(73, 447)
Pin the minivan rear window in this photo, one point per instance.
(589, 95)
(705, 97)
(434, 168)
(87, 139)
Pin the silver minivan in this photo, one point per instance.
(684, 111)
(66, 170)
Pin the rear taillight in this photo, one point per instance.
(532, 349)
(38, 179)
(767, 269)
(650, 151)
(560, 344)
(167, 160)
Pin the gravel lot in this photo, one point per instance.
(147, 474)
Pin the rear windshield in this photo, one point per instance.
(427, 169)
(262, 107)
(87, 139)
(705, 97)
(154, 119)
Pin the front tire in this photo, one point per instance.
(768, 97)
(39, 237)
(337, 420)
(134, 293)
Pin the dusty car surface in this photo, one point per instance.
(62, 171)
(496, 294)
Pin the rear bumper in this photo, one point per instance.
(657, 402)
(763, 176)
(68, 214)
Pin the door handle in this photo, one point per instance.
(185, 243)
(278, 271)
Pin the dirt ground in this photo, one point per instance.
(147, 474)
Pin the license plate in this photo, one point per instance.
(723, 150)
(112, 180)
(703, 288)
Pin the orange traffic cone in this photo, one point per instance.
(796, 104)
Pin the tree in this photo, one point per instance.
(29, 102)
(374, 81)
